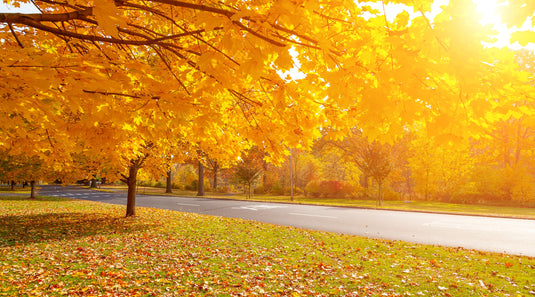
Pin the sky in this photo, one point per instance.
(24, 8)
(489, 10)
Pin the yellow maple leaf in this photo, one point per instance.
(285, 60)
(107, 16)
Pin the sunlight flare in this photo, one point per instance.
(489, 11)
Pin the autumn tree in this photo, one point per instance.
(23, 168)
(440, 170)
(249, 169)
(306, 168)
(127, 79)
(214, 169)
(372, 158)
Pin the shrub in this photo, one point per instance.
(144, 183)
(391, 195)
(313, 188)
(329, 188)
(298, 191)
(260, 190)
(222, 189)
(193, 186)
(277, 189)
(346, 190)
(207, 186)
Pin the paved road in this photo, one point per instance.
(513, 236)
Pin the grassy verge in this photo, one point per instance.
(17, 190)
(58, 247)
(489, 210)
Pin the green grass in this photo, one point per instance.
(60, 247)
(425, 206)
(17, 190)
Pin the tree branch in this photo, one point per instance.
(15, 35)
(164, 60)
(46, 17)
(34, 20)
(117, 94)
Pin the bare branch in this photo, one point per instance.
(15, 35)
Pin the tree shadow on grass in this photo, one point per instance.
(29, 229)
(26, 197)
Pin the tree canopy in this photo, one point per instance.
(96, 86)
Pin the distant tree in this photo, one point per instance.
(372, 158)
(213, 168)
(440, 170)
(22, 168)
(306, 168)
(249, 170)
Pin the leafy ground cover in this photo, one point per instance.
(490, 210)
(61, 247)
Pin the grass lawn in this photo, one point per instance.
(516, 212)
(18, 189)
(60, 247)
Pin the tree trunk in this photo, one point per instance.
(506, 152)
(32, 191)
(264, 176)
(215, 177)
(168, 186)
(200, 191)
(427, 184)
(131, 198)
(93, 183)
(519, 138)
(12, 186)
(291, 177)
(380, 194)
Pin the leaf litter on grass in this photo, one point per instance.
(82, 248)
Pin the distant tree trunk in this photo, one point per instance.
(365, 184)
(379, 202)
(12, 186)
(201, 180)
(215, 176)
(168, 185)
(32, 191)
(93, 183)
(247, 190)
(264, 177)
(506, 151)
(291, 177)
(427, 184)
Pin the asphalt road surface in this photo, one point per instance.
(502, 235)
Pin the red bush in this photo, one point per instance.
(329, 188)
